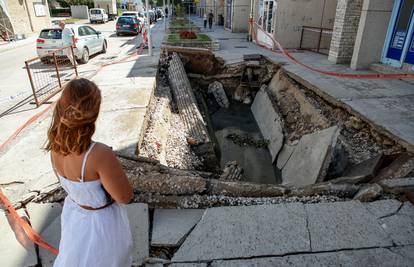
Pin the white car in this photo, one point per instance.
(98, 15)
(87, 42)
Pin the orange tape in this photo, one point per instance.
(32, 234)
(331, 73)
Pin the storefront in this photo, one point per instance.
(399, 44)
(266, 19)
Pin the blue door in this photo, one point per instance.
(400, 32)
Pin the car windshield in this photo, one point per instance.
(125, 20)
(129, 14)
(51, 34)
(95, 11)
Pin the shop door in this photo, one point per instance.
(401, 33)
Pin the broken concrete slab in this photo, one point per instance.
(233, 232)
(311, 158)
(139, 223)
(400, 167)
(400, 226)
(171, 226)
(12, 252)
(382, 208)
(359, 258)
(344, 225)
(327, 188)
(368, 168)
(268, 120)
(188, 265)
(285, 155)
(368, 193)
(398, 184)
(245, 189)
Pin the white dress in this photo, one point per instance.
(92, 237)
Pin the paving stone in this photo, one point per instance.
(52, 235)
(344, 225)
(368, 193)
(13, 253)
(139, 223)
(171, 226)
(232, 232)
(268, 121)
(311, 158)
(382, 208)
(405, 251)
(285, 155)
(188, 265)
(400, 226)
(363, 258)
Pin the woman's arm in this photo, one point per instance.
(113, 176)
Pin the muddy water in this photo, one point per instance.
(256, 162)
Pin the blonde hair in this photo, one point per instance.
(74, 117)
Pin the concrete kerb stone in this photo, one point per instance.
(398, 184)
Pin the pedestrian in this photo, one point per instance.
(166, 12)
(205, 20)
(210, 19)
(95, 228)
(68, 39)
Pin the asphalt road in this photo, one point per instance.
(15, 91)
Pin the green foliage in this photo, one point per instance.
(68, 3)
(179, 10)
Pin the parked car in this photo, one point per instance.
(152, 15)
(88, 42)
(98, 15)
(158, 13)
(128, 24)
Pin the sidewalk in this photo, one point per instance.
(385, 104)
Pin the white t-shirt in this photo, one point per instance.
(67, 36)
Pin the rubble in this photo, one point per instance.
(400, 167)
(368, 193)
(367, 169)
(244, 189)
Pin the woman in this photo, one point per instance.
(95, 227)
(205, 20)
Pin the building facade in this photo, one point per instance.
(20, 18)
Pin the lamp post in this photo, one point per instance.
(149, 29)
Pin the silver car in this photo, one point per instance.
(87, 42)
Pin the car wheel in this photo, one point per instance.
(85, 56)
(104, 45)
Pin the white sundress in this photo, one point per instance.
(92, 238)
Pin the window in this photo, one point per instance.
(51, 34)
(82, 31)
(90, 31)
(95, 11)
(267, 9)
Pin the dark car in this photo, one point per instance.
(128, 25)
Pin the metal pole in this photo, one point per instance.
(251, 21)
(32, 84)
(149, 30)
(57, 69)
(165, 18)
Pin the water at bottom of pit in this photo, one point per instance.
(255, 161)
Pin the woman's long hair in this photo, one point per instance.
(74, 117)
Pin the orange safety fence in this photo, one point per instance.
(256, 27)
(29, 231)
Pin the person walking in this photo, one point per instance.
(95, 228)
(210, 19)
(205, 20)
(68, 39)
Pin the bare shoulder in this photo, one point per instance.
(102, 151)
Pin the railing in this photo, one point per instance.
(316, 39)
(50, 72)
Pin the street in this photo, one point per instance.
(16, 101)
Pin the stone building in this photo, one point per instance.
(20, 18)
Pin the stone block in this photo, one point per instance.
(285, 155)
(398, 184)
(12, 252)
(311, 158)
(234, 232)
(188, 265)
(268, 120)
(244, 189)
(368, 168)
(344, 225)
(139, 223)
(171, 226)
(216, 88)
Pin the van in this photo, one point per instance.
(98, 15)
